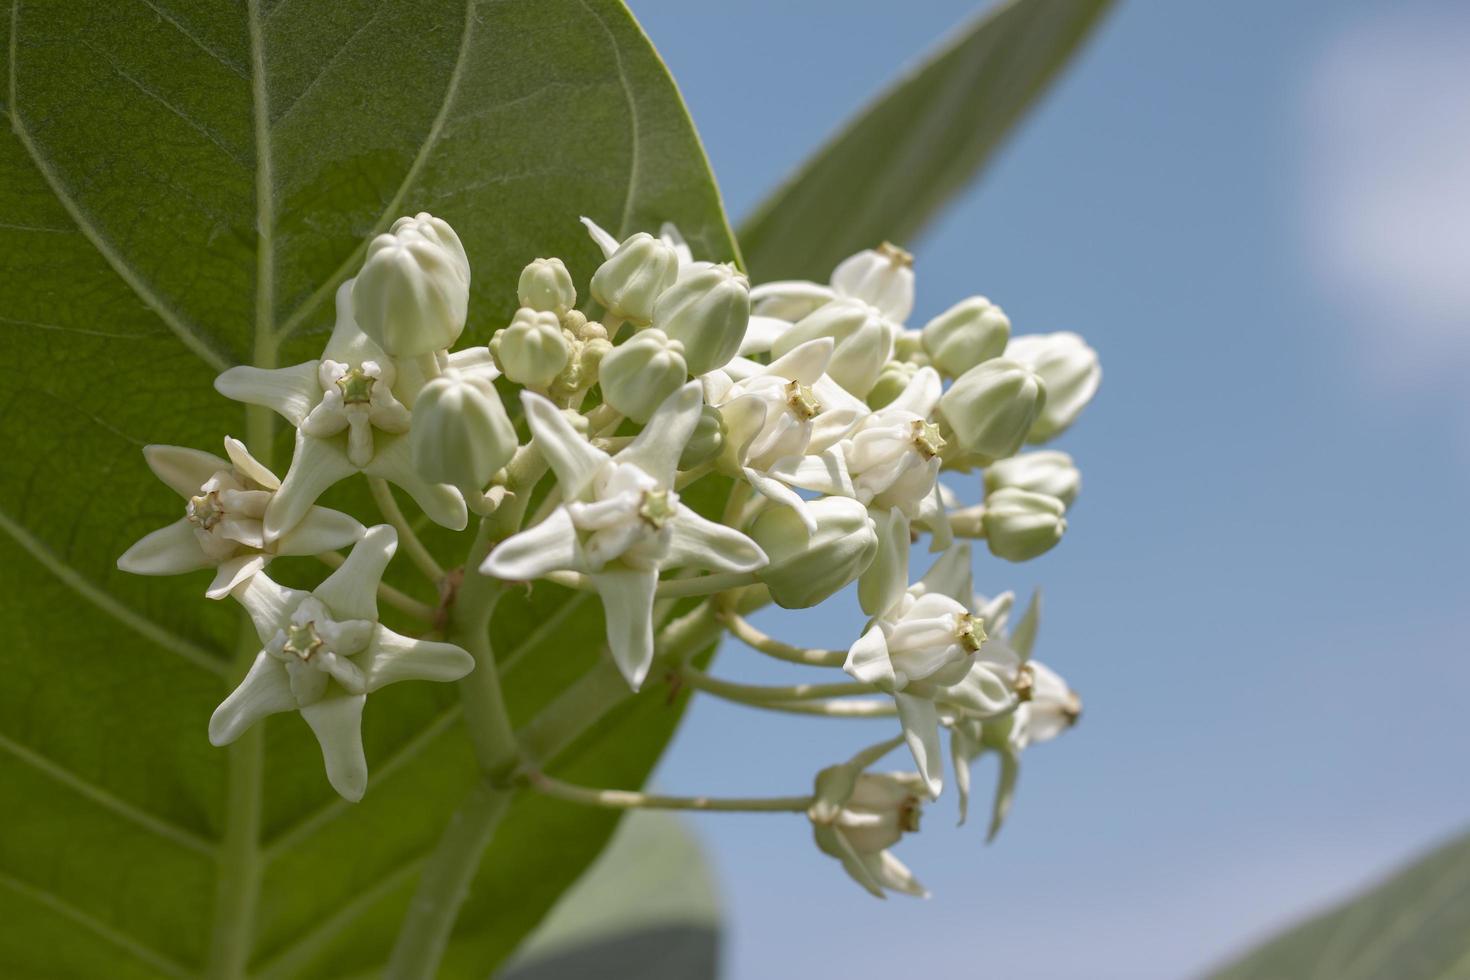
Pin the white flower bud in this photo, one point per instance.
(641, 372)
(892, 381)
(807, 568)
(863, 335)
(992, 406)
(1019, 524)
(533, 350)
(546, 285)
(707, 441)
(707, 310)
(435, 230)
(1048, 471)
(630, 282)
(412, 295)
(882, 276)
(1072, 374)
(971, 331)
(461, 434)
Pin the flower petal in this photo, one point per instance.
(248, 466)
(761, 334)
(348, 343)
(184, 470)
(893, 873)
(950, 576)
(392, 657)
(672, 237)
(824, 472)
(884, 582)
(289, 391)
(268, 603)
(921, 394)
(805, 362)
(627, 605)
(264, 691)
(604, 241)
(1023, 634)
(171, 550)
(770, 487)
(933, 517)
(831, 841)
(573, 459)
(788, 299)
(702, 543)
(657, 448)
(315, 466)
(351, 592)
(322, 529)
(337, 724)
(920, 720)
(867, 659)
(1005, 791)
(547, 547)
(440, 502)
(961, 751)
(234, 571)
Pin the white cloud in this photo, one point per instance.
(1386, 186)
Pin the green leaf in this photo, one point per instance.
(890, 169)
(647, 908)
(183, 183)
(1414, 926)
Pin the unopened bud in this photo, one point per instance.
(1071, 371)
(1019, 524)
(630, 282)
(864, 341)
(707, 441)
(1049, 471)
(412, 295)
(971, 331)
(892, 381)
(460, 433)
(882, 276)
(533, 350)
(707, 310)
(806, 568)
(637, 375)
(435, 230)
(546, 285)
(992, 406)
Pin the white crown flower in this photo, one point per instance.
(621, 522)
(881, 277)
(348, 419)
(222, 526)
(324, 652)
(857, 816)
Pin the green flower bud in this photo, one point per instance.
(1072, 374)
(460, 433)
(641, 372)
(412, 295)
(546, 285)
(533, 350)
(971, 331)
(707, 441)
(1019, 524)
(707, 310)
(893, 379)
(630, 282)
(992, 406)
(808, 568)
(909, 346)
(1048, 471)
(864, 339)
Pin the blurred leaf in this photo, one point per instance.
(647, 908)
(182, 181)
(889, 170)
(1414, 926)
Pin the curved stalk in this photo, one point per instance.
(620, 799)
(412, 546)
(762, 642)
(760, 694)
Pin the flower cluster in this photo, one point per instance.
(823, 419)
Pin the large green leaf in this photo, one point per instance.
(182, 184)
(1414, 926)
(891, 168)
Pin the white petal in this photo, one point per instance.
(776, 490)
(290, 391)
(604, 241)
(322, 529)
(170, 550)
(935, 519)
(337, 723)
(547, 547)
(268, 603)
(884, 582)
(475, 362)
(440, 502)
(1023, 634)
(573, 459)
(824, 472)
(701, 543)
(761, 334)
(805, 362)
(920, 395)
(391, 657)
(868, 661)
(658, 447)
(673, 238)
(920, 721)
(264, 691)
(627, 605)
(351, 592)
(950, 576)
(832, 842)
(348, 343)
(234, 571)
(183, 469)
(1005, 791)
(248, 466)
(789, 299)
(315, 465)
(960, 753)
(892, 873)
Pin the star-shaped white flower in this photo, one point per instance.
(925, 652)
(323, 652)
(350, 410)
(881, 278)
(857, 816)
(621, 522)
(225, 503)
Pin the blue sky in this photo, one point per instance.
(1259, 214)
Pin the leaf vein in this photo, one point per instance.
(198, 42)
